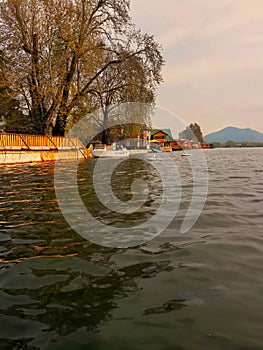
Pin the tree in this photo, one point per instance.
(56, 51)
(11, 117)
(132, 82)
(192, 132)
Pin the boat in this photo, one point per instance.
(154, 158)
(156, 150)
(166, 148)
(186, 155)
(102, 151)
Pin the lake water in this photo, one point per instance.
(198, 290)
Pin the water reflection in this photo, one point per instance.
(53, 282)
(121, 183)
(61, 295)
(194, 291)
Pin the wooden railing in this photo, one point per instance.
(38, 142)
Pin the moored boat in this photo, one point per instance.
(156, 150)
(186, 154)
(102, 151)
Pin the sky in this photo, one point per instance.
(213, 51)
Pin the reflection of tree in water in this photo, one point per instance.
(82, 299)
(18, 344)
(33, 232)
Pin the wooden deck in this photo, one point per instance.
(22, 148)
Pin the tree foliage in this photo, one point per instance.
(192, 132)
(66, 57)
(125, 83)
(11, 117)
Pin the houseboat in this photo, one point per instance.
(165, 140)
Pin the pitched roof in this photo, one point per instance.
(165, 131)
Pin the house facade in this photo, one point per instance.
(164, 139)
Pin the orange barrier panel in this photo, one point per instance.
(31, 142)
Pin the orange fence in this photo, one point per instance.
(11, 140)
(32, 142)
(69, 142)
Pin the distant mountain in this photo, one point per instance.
(231, 133)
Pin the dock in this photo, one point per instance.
(22, 148)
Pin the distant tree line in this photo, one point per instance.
(230, 144)
(62, 59)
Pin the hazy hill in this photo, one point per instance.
(231, 133)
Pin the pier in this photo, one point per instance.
(22, 148)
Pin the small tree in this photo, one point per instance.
(192, 132)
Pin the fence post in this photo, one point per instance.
(22, 138)
(50, 139)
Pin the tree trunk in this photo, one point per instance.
(60, 126)
(106, 131)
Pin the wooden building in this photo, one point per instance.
(165, 140)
